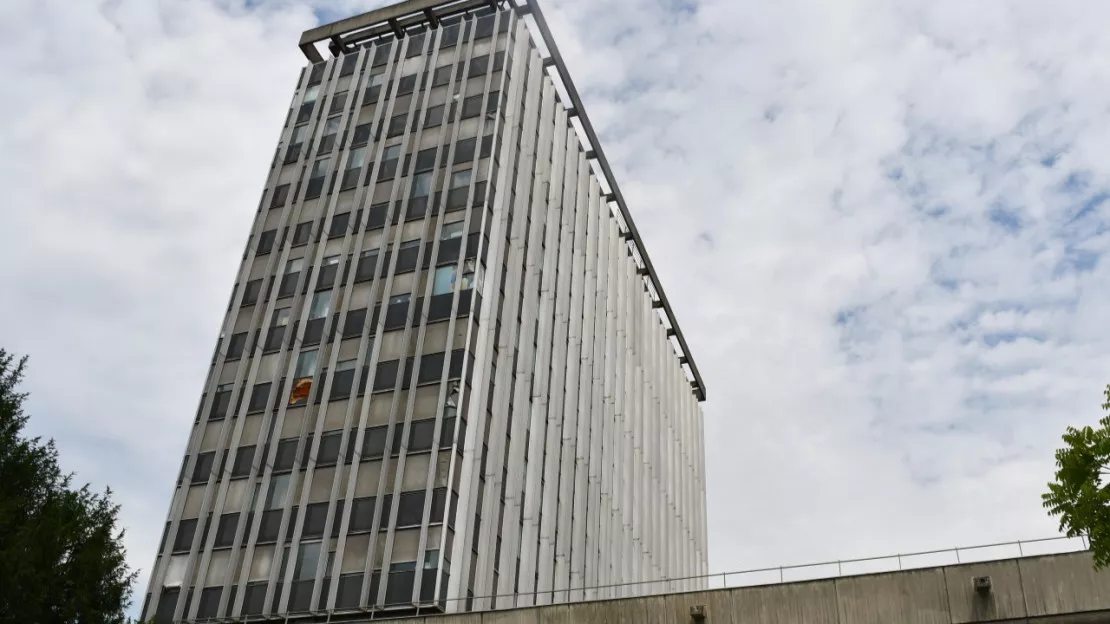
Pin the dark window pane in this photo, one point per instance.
(399, 587)
(315, 517)
(274, 338)
(478, 66)
(328, 453)
(225, 534)
(381, 54)
(302, 234)
(386, 376)
(464, 150)
(484, 27)
(167, 604)
(339, 224)
(365, 269)
(348, 67)
(420, 434)
(450, 36)
(316, 74)
(408, 255)
(352, 326)
(254, 599)
(472, 106)
(406, 84)
(361, 134)
(281, 193)
(441, 76)
(286, 455)
(439, 499)
(396, 314)
(266, 242)
(209, 602)
(185, 530)
(439, 308)
(425, 160)
(259, 395)
(202, 469)
(499, 61)
(435, 116)
(410, 509)
(288, 284)
(313, 331)
(456, 363)
(244, 457)
(373, 442)
(269, 526)
(341, 384)
(375, 217)
(415, 46)
(235, 346)
(362, 514)
(431, 369)
(397, 125)
(251, 292)
(350, 589)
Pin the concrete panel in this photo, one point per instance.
(557, 614)
(512, 616)
(812, 603)
(917, 597)
(1005, 600)
(718, 607)
(1064, 584)
(601, 612)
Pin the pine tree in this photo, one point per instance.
(61, 554)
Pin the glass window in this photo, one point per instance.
(299, 133)
(377, 80)
(294, 266)
(311, 93)
(320, 168)
(398, 299)
(393, 152)
(431, 559)
(452, 230)
(435, 116)
(357, 158)
(346, 365)
(321, 305)
(460, 179)
(422, 184)
(306, 363)
(281, 317)
(308, 555)
(279, 487)
(444, 280)
(331, 126)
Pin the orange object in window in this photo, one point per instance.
(301, 389)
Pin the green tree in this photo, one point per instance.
(61, 554)
(1080, 495)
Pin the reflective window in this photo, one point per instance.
(306, 363)
(460, 179)
(311, 94)
(279, 488)
(451, 230)
(321, 305)
(444, 280)
(422, 184)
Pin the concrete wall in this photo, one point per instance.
(1060, 589)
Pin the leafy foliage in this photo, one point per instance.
(61, 555)
(1080, 495)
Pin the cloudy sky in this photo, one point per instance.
(881, 224)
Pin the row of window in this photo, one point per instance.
(387, 374)
(420, 439)
(408, 260)
(410, 512)
(399, 589)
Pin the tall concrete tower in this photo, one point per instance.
(448, 378)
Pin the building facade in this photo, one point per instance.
(448, 377)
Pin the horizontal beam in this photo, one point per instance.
(385, 19)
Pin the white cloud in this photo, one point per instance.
(869, 217)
